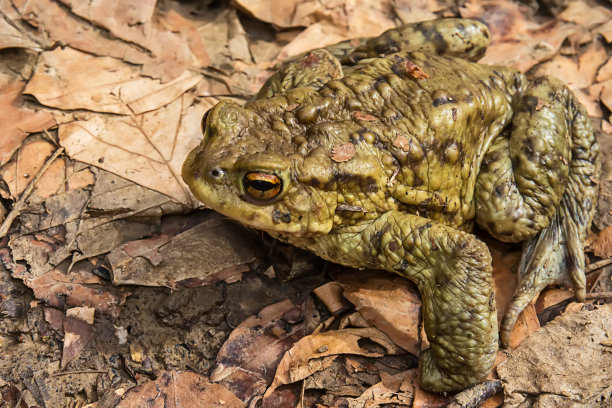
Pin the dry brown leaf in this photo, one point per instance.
(364, 116)
(562, 364)
(29, 160)
(211, 251)
(585, 14)
(530, 48)
(552, 296)
(606, 93)
(315, 352)
(331, 296)
(415, 71)
(605, 71)
(174, 389)
(78, 330)
(602, 246)
(590, 99)
(54, 317)
(606, 31)
(248, 359)
(393, 389)
(11, 37)
(173, 21)
(69, 79)
(148, 149)
(424, 399)
(131, 21)
(410, 11)
(342, 152)
(167, 58)
(526, 324)
(17, 121)
(391, 305)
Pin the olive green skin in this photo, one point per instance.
(386, 162)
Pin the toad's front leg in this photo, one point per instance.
(452, 270)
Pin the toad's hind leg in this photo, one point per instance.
(453, 272)
(455, 37)
(538, 183)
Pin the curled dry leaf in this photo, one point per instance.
(148, 149)
(174, 389)
(248, 358)
(342, 152)
(391, 305)
(17, 121)
(11, 37)
(78, 330)
(317, 351)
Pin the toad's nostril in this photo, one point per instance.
(216, 173)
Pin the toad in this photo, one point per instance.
(383, 153)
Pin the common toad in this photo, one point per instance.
(384, 155)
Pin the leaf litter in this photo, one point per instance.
(100, 122)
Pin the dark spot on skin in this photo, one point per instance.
(529, 150)
(300, 218)
(403, 265)
(314, 182)
(499, 190)
(379, 80)
(517, 80)
(398, 69)
(286, 218)
(434, 245)
(371, 185)
(492, 300)
(454, 114)
(276, 216)
(443, 100)
(470, 48)
(485, 34)
(393, 246)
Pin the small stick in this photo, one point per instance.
(80, 372)
(598, 295)
(596, 265)
(8, 221)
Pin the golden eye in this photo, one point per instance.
(262, 186)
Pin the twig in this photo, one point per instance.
(80, 372)
(8, 221)
(597, 265)
(598, 295)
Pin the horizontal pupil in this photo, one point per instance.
(262, 185)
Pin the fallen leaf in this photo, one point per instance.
(550, 367)
(606, 31)
(391, 305)
(364, 116)
(78, 330)
(29, 160)
(602, 246)
(317, 351)
(248, 359)
(17, 121)
(415, 71)
(331, 296)
(54, 317)
(103, 84)
(174, 389)
(12, 37)
(342, 152)
(526, 324)
(201, 253)
(585, 14)
(551, 297)
(148, 149)
(605, 71)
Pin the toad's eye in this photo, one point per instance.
(204, 120)
(262, 186)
